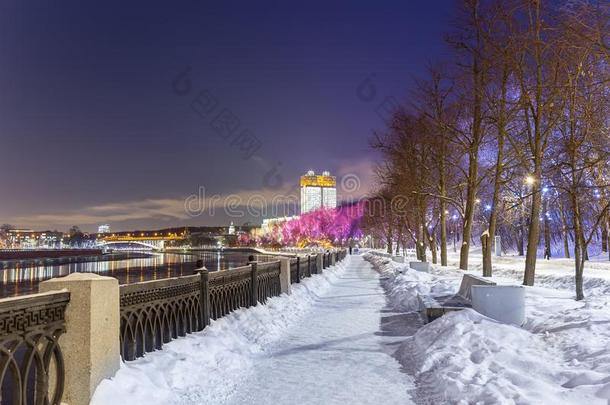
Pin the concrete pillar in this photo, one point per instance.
(333, 256)
(91, 342)
(285, 275)
(319, 261)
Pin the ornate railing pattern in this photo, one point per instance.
(268, 280)
(31, 360)
(155, 312)
(229, 290)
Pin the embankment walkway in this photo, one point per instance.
(335, 355)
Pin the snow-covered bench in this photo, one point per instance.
(420, 266)
(436, 306)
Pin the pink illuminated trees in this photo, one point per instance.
(324, 227)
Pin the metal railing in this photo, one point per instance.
(31, 360)
(155, 312)
(229, 290)
(295, 276)
(268, 280)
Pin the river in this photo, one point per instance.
(16, 279)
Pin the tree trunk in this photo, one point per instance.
(534, 231)
(564, 231)
(475, 142)
(389, 238)
(443, 232)
(520, 236)
(443, 204)
(547, 233)
(399, 238)
(579, 247)
(469, 211)
(537, 144)
(486, 250)
(432, 243)
(421, 244)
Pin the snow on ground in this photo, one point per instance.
(336, 353)
(580, 330)
(339, 339)
(560, 356)
(206, 367)
(320, 345)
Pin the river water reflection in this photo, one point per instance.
(19, 280)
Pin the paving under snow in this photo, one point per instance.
(321, 345)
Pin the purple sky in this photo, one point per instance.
(92, 131)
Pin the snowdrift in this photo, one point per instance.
(467, 358)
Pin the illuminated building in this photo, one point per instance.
(103, 228)
(318, 191)
(269, 223)
(29, 239)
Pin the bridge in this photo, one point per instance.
(153, 240)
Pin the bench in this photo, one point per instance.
(420, 266)
(435, 307)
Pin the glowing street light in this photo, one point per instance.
(530, 180)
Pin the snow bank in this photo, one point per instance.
(467, 358)
(206, 367)
(404, 285)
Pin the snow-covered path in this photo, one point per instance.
(329, 342)
(335, 355)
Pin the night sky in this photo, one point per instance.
(95, 128)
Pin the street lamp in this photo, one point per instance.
(530, 180)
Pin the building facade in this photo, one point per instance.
(103, 228)
(318, 191)
(30, 239)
